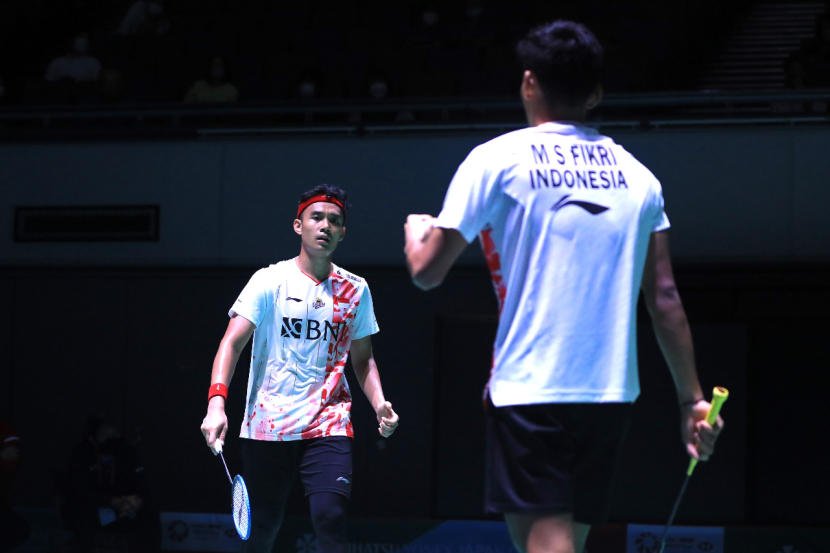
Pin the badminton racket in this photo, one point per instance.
(240, 504)
(718, 397)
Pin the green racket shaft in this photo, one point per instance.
(719, 396)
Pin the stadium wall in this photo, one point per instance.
(732, 194)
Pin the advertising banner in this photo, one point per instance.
(681, 539)
(198, 532)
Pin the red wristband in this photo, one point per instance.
(218, 389)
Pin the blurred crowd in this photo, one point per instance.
(126, 51)
(103, 499)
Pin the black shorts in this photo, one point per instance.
(324, 465)
(554, 458)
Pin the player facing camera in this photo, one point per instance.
(562, 63)
(321, 219)
(306, 317)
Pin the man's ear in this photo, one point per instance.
(529, 84)
(595, 98)
(342, 234)
(298, 226)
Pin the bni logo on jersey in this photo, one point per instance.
(314, 330)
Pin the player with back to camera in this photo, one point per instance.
(572, 228)
(306, 315)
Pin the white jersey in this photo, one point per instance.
(564, 215)
(296, 386)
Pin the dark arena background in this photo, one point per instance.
(135, 204)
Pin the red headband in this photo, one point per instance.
(320, 198)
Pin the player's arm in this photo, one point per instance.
(239, 331)
(366, 370)
(430, 250)
(675, 339)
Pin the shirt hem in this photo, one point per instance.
(504, 399)
(292, 438)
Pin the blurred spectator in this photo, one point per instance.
(14, 530)
(76, 65)
(107, 491)
(307, 89)
(378, 88)
(145, 17)
(429, 31)
(216, 87)
(111, 88)
(474, 30)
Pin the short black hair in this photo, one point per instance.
(566, 58)
(329, 191)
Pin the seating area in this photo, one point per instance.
(368, 50)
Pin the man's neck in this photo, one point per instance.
(317, 267)
(557, 115)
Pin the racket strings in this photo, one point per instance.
(241, 508)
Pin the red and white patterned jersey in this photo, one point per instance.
(296, 386)
(564, 215)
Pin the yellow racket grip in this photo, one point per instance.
(719, 396)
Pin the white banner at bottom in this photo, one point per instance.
(681, 539)
(198, 532)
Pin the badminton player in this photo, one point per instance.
(572, 228)
(306, 316)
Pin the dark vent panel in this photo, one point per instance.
(87, 224)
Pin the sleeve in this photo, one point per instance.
(256, 298)
(659, 220)
(365, 323)
(470, 196)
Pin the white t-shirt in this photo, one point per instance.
(296, 386)
(78, 68)
(564, 215)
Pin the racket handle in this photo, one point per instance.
(719, 396)
(217, 446)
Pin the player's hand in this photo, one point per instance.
(698, 435)
(135, 502)
(215, 423)
(122, 507)
(418, 227)
(387, 419)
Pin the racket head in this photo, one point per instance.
(241, 508)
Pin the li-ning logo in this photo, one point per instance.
(593, 209)
(318, 303)
(293, 328)
(341, 479)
